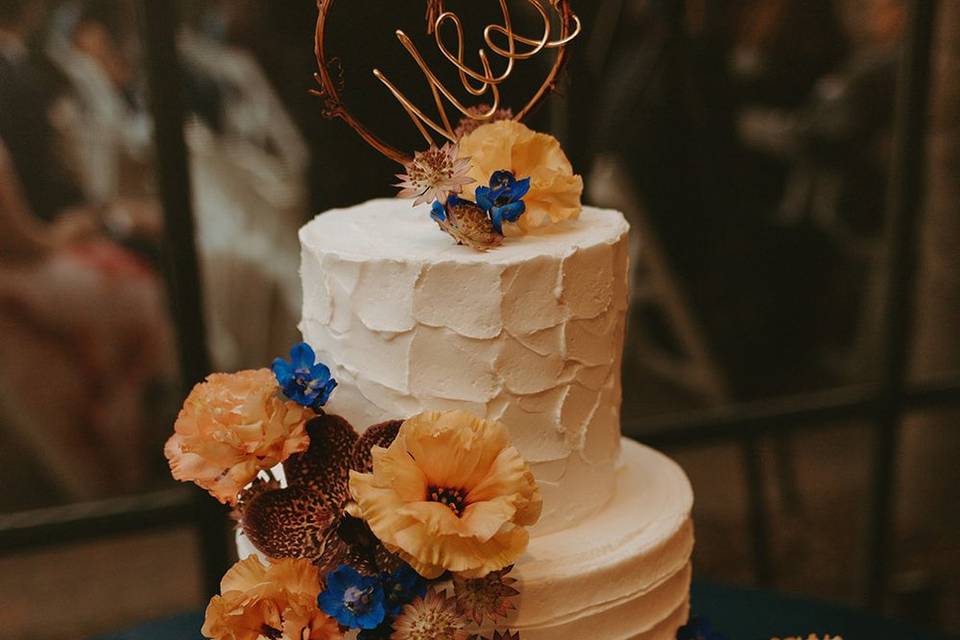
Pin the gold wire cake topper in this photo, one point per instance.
(484, 83)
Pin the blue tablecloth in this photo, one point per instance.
(740, 614)
(747, 614)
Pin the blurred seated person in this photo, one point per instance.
(677, 77)
(85, 338)
(106, 126)
(835, 141)
(56, 132)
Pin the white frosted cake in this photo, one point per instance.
(531, 335)
(441, 457)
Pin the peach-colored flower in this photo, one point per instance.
(509, 145)
(232, 427)
(450, 493)
(315, 625)
(275, 600)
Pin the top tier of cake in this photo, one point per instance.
(530, 334)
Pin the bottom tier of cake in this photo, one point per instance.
(622, 574)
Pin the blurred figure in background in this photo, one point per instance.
(80, 228)
(756, 134)
(249, 164)
(85, 337)
(835, 140)
(247, 160)
(84, 325)
(677, 78)
(834, 144)
(108, 126)
(30, 97)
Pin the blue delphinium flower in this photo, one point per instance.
(354, 600)
(402, 587)
(698, 628)
(439, 212)
(303, 379)
(503, 199)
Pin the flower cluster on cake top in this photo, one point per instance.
(521, 180)
(406, 532)
(489, 176)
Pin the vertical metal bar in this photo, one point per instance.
(168, 107)
(757, 511)
(787, 477)
(904, 202)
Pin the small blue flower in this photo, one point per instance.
(354, 600)
(438, 212)
(303, 379)
(401, 588)
(698, 628)
(503, 199)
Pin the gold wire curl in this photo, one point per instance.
(487, 82)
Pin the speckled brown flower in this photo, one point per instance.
(306, 519)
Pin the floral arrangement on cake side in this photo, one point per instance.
(407, 531)
(523, 179)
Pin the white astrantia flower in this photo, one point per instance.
(434, 174)
(433, 617)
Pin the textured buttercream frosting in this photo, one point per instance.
(530, 334)
(623, 573)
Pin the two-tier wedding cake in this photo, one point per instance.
(441, 457)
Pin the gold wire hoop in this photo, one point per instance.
(329, 78)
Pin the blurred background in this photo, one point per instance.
(794, 339)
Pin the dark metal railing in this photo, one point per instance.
(882, 404)
(84, 521)
(167, 105)
(904, 205)
(820, 410)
